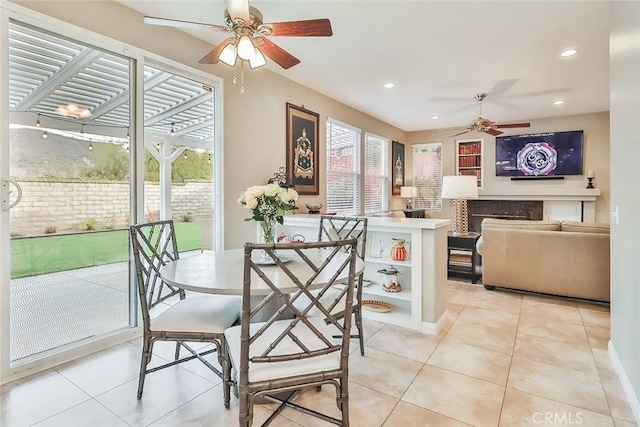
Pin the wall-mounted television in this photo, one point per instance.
(540, 154)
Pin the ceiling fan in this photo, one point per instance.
(485, 125)
(249, 40)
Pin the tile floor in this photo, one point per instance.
(503, 359)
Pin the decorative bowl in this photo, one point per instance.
(314, 207)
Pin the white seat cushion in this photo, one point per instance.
(273, 370)
(211, 314)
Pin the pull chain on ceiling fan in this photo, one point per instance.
(249, 40)
(485, 125)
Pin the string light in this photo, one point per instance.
(173, 132)
(45, 135)
(82, 131)
(90, 147)
(209, 159)
(128, 136)
(38, 121)
(185, 155)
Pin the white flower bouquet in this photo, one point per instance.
(267, 204)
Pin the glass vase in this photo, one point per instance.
(268, 227)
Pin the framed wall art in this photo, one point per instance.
(397, 167)
(303, 167)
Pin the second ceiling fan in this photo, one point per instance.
(485, 125)
(249, 41)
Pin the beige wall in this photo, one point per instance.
(254, 122)
(596, 156)
(625, 181)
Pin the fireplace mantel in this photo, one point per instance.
(550, 194)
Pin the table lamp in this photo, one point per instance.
(459, 188)
(409, 193)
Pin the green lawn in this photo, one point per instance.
(31, 256)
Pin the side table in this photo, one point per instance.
(467, 265)
(414, 213)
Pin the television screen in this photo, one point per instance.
(540, 154)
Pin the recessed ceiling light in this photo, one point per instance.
(389, 85)
(568, 52)
(435, 117)
(558, 102)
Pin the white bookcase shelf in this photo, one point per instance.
(423, 275)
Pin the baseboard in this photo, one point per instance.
(626, 384)
(434, 328)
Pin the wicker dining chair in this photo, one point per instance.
(287, 354)
(193, 319)
(336, 228)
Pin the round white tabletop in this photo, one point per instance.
(222, 272)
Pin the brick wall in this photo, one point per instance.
(71, 205)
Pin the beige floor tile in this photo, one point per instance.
(462, 286)
(595, 306)
(367, 408)
(524, 409)
(458, 296)
(35, 401)
(602, 359)
(208, 409)
(543, 328)
(383, 372)
(454, 308)
(89, 413)
(498, 295)
(599, 319)
(552, 312)
(158, 399)
(457, 396)
(370, 327)
(623, 423)
(554, 382)
(493, 318)
(482, 336)
(403, 342)
(550, 299)
(473, 361)
(106, 370)
(559, 353)
(407, 415)
(598, 337)
(618, 402)
(501, 303)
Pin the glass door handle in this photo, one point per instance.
(6, 194)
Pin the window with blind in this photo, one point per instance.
(427, 175)
(343, 168)
(376, 174)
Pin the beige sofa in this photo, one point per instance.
(567, 258)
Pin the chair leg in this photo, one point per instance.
(144, 361)
(225, 363)
(245, 416)
(344, 401)
(358, 313)
(177, 355)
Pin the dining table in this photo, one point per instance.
(222, 272)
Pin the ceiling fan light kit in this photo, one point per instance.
(249, 42)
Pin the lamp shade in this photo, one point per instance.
(459, 187)
(408, 192)
(229, 55)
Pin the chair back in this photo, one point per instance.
(318, 265)
(344, 227)
(154, 244)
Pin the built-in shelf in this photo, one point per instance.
(469, 159)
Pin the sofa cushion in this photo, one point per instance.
(521, 224)
(585, 227)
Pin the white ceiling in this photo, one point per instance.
(438, 53)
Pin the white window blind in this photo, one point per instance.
(376, 174)
(427, 175)
(343, 169)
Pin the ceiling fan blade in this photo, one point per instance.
(512, 125)
(493, 132)
(183, 24)
(212, 57)
(456, 128)
(238, 9)
(312, 27)
(461, 133)
(276, 53)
